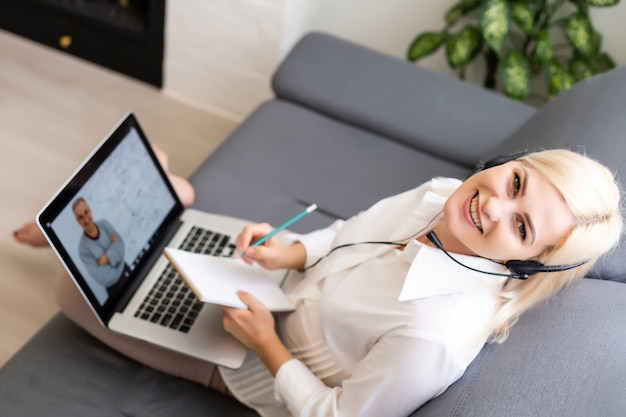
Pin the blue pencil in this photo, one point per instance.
(288, 223)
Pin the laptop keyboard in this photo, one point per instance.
(170, 302)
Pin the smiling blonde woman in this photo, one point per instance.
(384, 319)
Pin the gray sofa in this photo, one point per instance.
(349, 126)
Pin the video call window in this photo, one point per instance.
(128, 199)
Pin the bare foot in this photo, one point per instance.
(30, 234)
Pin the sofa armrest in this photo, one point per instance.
(396, 99)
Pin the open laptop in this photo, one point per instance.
(119, 267)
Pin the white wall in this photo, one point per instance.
(611, 23)
(390, 25)
(386, 25)
(220, 54)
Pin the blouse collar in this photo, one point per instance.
(432, 273)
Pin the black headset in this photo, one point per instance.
(495, 161)
(519, 269)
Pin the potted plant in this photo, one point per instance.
(520, 40)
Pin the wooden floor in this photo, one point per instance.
(53, 110)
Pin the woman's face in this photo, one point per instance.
(503, 213)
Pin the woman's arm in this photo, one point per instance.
(255, 328)
(400, 372)
(273, 254)
(398, 375)
(117, 250)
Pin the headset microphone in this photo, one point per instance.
(519, 269)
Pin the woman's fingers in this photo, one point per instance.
(250, 234)
(252, 326)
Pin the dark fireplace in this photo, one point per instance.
(124, 35)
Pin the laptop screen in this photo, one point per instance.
(109, 216)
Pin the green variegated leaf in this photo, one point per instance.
(544, 51)
(517, 38)
(471, 4)
(495, 23)
(425, 44)
(602, 63)
(596, 42)
(580, 69)
(461, 9)
(581, 35)
(516, 75)
(523, 16)
(454, 13)
(558, 78)
(601, 3)
(461, 48)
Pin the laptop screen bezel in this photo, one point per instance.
(70, 190)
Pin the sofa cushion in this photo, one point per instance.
(588, 118)
(341, 168)
(563, 358)
(64, 371)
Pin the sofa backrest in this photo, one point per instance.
(588, 118)
(433, 113)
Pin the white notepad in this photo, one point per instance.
(216, 280)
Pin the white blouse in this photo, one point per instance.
(377, 331)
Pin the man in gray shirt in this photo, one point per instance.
(101, 248)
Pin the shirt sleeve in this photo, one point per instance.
(318, 243)
(89, 253)
(90, 260)
(117, 250)
(399, 374)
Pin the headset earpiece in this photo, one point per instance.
(524, 269)
(519, 269)
(498, 160)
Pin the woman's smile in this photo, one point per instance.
(472, 213)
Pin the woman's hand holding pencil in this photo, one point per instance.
(258, 243)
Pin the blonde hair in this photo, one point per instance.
(593, 196)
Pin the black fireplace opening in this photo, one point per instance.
(124, 35)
